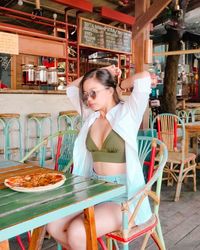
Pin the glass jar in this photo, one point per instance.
(41, 75)
(52, 75)
(28, 74)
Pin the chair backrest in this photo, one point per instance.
(182, 114)
(196, 115)
(186, 115)
(169, 129)
(156, 151)
(63, 143)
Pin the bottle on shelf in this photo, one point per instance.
(28, 74)
(41, 75)
(52, 76)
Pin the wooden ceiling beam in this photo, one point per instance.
(77, 4)
(153, 11)
(117, 16)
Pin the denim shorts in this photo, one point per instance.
(144, 213)
(118, 179)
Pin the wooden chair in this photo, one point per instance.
(179, 165)
(63, 142)
(148, 149)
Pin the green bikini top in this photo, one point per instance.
(112, 150)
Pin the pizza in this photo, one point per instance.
(35, 182)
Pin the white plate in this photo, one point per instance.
(36, 189)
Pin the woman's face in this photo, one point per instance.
(95, 95)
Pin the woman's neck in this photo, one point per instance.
(105, 110)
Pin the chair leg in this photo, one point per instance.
(146, 238)
(102, 244)
(179, 183)
(160, 234)
(110, 245)
(158, 242)
(21, 245)
(59, 247)
(194, 177)
(125, 246)
(170, 180)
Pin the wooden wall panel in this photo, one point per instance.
(41, 47)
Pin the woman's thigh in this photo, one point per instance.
(108, 218)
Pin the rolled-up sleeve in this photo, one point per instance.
(138, 100)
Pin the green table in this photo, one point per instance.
(21, 212)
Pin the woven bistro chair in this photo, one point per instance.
(63, 142)
(179, 166)
(148, 149)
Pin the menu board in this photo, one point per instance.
(106, 37)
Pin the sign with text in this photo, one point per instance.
(9, 43)
(106, 37)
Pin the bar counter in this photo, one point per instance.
(25, 102)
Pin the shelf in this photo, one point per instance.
(40, 85)
(72, 59)
(72, 43)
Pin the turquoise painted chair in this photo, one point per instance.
(179, 166)
(10, 126)
(152, 228)
(63, 142)
(196, 114)
(37, 125)
(183, 115)
(69, 120)
(186, 115)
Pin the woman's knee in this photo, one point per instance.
(59, 226)
(52, 229)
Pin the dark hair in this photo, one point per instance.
(104, 77)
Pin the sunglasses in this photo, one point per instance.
(92, 94)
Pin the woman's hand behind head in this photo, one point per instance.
(115, 71)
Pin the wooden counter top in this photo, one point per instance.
(32, 91)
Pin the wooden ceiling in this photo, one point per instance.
(192, 22)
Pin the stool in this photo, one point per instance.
(41, 120)
(71, 119)
(10, 123)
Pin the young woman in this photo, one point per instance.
(106, 148)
